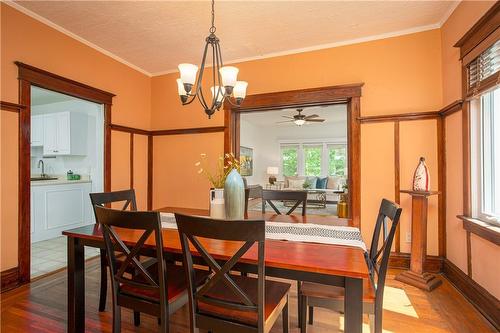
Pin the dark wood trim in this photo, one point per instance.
(469, 254)
(486, 303)
(195, 130)
(348, 94)
(126, 129)
(441, 151)
(48, 80)
(486, 25)
(400, 117)
(451, 108)
(131, 160)
(24, 185)
(107, 148)
(397, 184)
(466, 159)
(13, 107)
(354, 158)
(9, 279)
(480, 229)
(31, 76)
(150, 172)
(401, 260)
(301, 97)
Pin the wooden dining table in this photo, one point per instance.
(336, 265)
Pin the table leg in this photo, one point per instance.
(76, 286)
(353, 305)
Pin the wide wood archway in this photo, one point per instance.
(343, 94)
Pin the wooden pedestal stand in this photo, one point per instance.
(416, 276)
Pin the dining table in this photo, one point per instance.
(337, 265)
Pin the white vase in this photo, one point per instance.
(421, 177)
(217, 210)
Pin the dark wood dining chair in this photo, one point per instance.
(252, 192)
(127, 198)
(158, 290)
(330, 297)
(231, 303)
(298, 197)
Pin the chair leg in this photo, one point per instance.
(104, 282)
(284, 313)
(311, 315)
(302, 314)
(137, 318)
(117, 318)
(299, 307)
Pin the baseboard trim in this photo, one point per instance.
(433, 264)
(9, 279)
(486, 303)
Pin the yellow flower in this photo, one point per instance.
(197, 164)
(203, 155)
(200, 171)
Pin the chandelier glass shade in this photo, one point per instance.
(224, 78)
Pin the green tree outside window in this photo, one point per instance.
(290, 164)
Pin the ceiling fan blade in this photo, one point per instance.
(315, 120)
(311, 116)
(285, 121)
(288, 117)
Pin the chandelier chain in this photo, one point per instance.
(213, 28)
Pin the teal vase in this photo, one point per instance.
(234, 196)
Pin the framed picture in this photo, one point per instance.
(246, 161)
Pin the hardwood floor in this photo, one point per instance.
(41, 307)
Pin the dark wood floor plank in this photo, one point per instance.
(41, 307)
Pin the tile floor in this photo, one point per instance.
(50, 255)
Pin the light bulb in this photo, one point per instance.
(229, 75)
(220, 96)
(299, 122)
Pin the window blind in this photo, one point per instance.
(483, 70)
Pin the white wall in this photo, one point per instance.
(265, 142)
(89, 165)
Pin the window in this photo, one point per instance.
(312, 160)
(485, 157)
(289, 158)
(337, 157)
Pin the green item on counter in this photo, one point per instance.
(69, 175)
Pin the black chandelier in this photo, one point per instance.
(224, 78)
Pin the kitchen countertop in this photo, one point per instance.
(61, 180)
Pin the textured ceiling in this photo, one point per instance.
(156, 36)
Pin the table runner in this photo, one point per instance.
(298, 232)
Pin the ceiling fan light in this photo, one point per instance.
(299, 122)
(188, 75)
(229, 75)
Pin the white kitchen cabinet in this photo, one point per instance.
(37, 130)
(59, 207)
(65, 133)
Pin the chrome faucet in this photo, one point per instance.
(43, 168)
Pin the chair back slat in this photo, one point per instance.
(150, 225)
(378, 257)
(247, 233)
(252, 192)
(299, 197)
(106, 198)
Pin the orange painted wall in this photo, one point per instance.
(483, 255)
(27, 40)
(401, 74)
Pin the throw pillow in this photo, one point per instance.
(312, 181)
(321, 183)
(296, 183)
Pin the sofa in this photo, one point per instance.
(332, 185)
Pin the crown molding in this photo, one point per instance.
(319, 47)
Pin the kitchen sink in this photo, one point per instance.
(43, 178)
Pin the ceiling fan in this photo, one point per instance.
(300, 119)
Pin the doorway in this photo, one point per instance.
(67, 143)
(30, 78)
